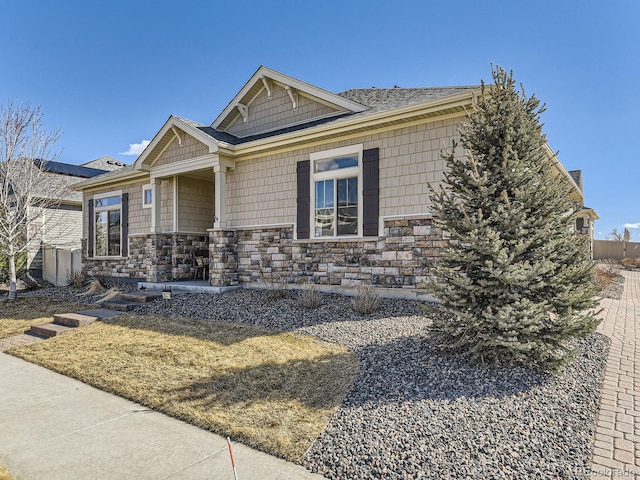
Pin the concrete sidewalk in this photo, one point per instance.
(54, 427)
(616, 452)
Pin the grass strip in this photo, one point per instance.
(4, 474)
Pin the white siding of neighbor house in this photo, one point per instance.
(262, 191)
(62, 227)
(267, 114)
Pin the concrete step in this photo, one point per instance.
(73, 319)
(140, 297)
(120, 305)
(48, 330)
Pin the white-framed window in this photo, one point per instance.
(336, 192)
(107, 224)
(147, 196)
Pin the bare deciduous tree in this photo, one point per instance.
(26, 191)
(615, 235)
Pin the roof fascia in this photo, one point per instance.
(561, 168)
(304, 88)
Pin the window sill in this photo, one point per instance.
(337, 239)
(107, 258)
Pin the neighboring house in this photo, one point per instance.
(289, 178)
(586, 217)
(61, 223)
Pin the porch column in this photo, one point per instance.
(220, 175)
(155, 205)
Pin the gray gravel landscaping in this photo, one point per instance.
(414, 412)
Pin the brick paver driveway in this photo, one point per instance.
(616, 451)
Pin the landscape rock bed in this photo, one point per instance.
(414, 412)
(615, 289)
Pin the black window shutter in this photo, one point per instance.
(303, 171)
(124, 219)
(370, 191)
(91, 221)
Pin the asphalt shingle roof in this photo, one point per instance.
(105, 163)
(380, 99)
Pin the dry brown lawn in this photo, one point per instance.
(19, 315)
(4, 474)
(273, 391)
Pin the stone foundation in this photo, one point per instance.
(157, 257)
(401, 258)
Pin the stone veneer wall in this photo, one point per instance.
(401, 258)
(157, 257)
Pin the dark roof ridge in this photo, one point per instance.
(445, 87)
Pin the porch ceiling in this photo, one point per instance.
(205, 174)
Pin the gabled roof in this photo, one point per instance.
(105, 163)
(353, 110)
(264, 78)
(171, 131)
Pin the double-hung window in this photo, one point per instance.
(108, 225)
(336, 177)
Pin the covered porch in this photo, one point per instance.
(185, 208)
(186, 201)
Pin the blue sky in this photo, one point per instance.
(109, 74)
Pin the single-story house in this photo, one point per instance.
(321, 187)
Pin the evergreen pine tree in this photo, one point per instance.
(516, 281)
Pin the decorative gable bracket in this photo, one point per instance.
(266, 80)
(293, 95)
(244, 111)
(177, 135)
(267, 84)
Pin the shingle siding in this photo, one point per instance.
(195, 204)
(262, 191)
(190, 148)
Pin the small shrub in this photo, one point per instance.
(76, 279)
(609, 266)
(109, 295)
(310, 297)
(603, 278)
(630, 263)
(94, 286)
(366, 300)
(275, 283)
